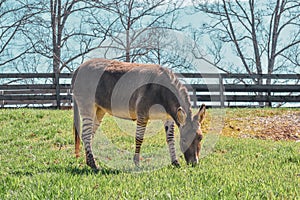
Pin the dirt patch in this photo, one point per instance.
(285, 126)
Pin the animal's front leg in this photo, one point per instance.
(139, 137)
(169, 128)
(87, 133)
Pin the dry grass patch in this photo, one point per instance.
(275, 124)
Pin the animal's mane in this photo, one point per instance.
(182, 90)
(117, 66)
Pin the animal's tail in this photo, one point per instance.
(76, 127)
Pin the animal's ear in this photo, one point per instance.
(201, 114)
(181, 116)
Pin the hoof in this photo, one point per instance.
(175, 163)
(96, 170)
(90, 161)
(136, 160)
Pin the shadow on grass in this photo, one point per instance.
(89, 171)
(63, 169)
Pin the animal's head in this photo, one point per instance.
(191, 134)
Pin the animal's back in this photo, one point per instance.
(125, 89)
(117, 86)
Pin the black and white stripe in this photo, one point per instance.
(139, 138)
(169, 128)
(87, 132)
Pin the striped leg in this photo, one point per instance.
(139, 137)
(169, 128)
(87, 133)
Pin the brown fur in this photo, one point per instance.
(130, 91)
(112, 71)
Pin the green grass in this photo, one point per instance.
(37, 162)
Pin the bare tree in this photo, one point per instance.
(264, 34)
(168, 48)
(64, 31)
(52, 31)
(131, 20)
(14, 17)
(47, 32)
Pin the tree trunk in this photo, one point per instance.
(56, 42)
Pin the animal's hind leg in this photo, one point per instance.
(169, 128)
(139, 137)
(98, 119)
(87, 133)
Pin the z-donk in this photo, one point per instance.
(137, 92)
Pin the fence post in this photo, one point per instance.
(2, 102)
(57, 89)
(69, 94)
(269, 103)
(194, 98)
(221, 91)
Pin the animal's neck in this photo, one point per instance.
(180, 101)
(182, 98)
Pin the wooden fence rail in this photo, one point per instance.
(38, 90)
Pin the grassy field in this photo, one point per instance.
(37, 162)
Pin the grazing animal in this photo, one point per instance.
(136, 92)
